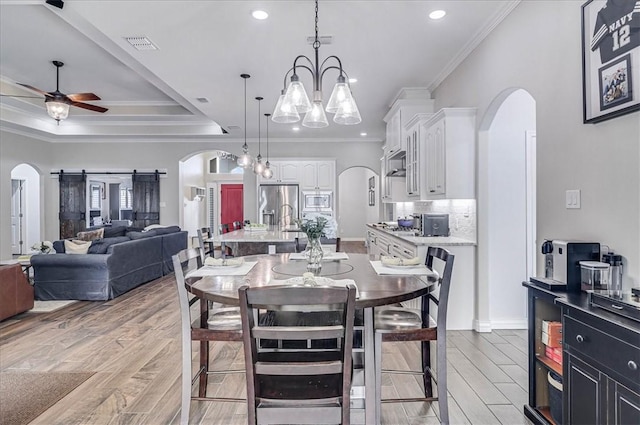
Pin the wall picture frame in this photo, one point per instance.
(610, 59)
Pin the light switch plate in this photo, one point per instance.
(572, 199)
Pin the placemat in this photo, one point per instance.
(418, 270)
(240, 270)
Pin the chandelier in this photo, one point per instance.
(245, 160)
(294, 101)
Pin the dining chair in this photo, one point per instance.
(298, 385)
(400, 324)
(206, 248)
(330, 244)
(219, 324)
(223, 228)
(237, 225)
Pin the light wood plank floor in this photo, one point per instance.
(133, 345)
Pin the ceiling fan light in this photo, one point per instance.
(348, 114)
(340, 94)
(56, 109)
(296, 96)
(316, 118)
(284, 113)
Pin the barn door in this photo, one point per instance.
(146, 199)
(73, 204)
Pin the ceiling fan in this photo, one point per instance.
(58, 103)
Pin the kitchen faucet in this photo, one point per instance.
(283, 216)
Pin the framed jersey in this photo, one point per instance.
(610, 58)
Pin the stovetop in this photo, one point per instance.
(397, 230)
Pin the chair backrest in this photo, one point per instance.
(204, 233)
(183, 262)
(329, 244)
(223, 228)
(237, 225)
(298, 313)
(444, 269)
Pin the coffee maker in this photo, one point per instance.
(566, 261)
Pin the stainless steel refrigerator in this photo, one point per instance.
(278, 204)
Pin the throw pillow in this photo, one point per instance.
(91, 235)
(75, 246)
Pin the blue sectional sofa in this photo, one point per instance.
(114, 265)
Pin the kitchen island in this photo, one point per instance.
(405, 244)
(250, 242)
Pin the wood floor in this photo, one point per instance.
(132, 344)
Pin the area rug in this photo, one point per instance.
(49, 306)
(26, 395)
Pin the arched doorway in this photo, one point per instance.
(26, 223)
(506, 210)
(355, 208)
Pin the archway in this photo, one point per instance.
(26, 226)
(355, 208)
(506, 210)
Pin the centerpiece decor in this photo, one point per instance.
(315, 227)
(43, 247)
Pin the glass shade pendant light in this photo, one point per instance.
(267, 173)
(295, 101)
(57, 110)
(245, 160)
(258, 166)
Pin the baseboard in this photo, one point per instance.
(483, 326)
(509, 324)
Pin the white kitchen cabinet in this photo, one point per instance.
(317, 175)
(283, 172)
(394, 184)
(448, 161)
(397, 118)
(415, 184)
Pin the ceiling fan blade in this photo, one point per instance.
(35, 89)
(81, 97)
(89, 107)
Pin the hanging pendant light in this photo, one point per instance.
(294, 99)
(245, 160)
(268, 172)
(258, 166)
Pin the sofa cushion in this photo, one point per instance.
(75, 246)
(59, 247)
(141, 235)
(112, 232)
(100, 246)
(166, 230)
(91, 235)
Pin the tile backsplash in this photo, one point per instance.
(462, 214)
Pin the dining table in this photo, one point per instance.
(392, 286)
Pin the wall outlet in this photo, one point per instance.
(572, 199)
(272, 249)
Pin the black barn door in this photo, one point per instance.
(73, 204)
(146, 199)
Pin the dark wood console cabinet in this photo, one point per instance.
(601, 361)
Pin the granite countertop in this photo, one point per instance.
(420, 240)
(271, 235)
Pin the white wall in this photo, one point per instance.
(353, 203)
(599, 159)
(192, 171)
(31, 219)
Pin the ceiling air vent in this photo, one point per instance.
(141, 43)
(324, 39)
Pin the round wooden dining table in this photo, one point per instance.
(373, 291)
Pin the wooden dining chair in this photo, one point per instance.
(219, 324)
(400, 324)
(330, 244)
(298, 385)
(207, 248)
(223, 228)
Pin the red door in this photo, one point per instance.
(231, 204)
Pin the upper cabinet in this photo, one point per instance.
(283, 172)
(448, 161)
(317, 175)
(409, 102)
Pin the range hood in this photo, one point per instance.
(397, 172)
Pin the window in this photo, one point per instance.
(96, 197)
(126, 198)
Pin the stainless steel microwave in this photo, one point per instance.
(317, 200)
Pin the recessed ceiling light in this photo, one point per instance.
(363, 134)
(353, 80)
(260, 14)
(437, 14)
(296, 128)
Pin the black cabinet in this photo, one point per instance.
(602, 364)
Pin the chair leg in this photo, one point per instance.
(204, 367)
(186, 383)
(443, 402)
(378, 362)
(426, 366)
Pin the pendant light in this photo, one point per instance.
(245, 160)
(268, 172)
(294, 100)
(258, 166)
